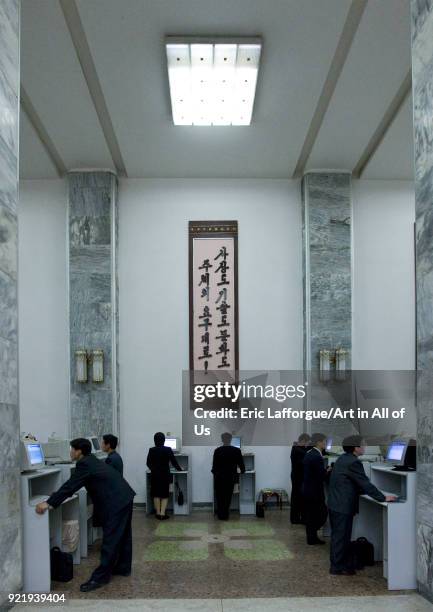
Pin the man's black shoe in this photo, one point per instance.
(316, 542)
(91, 585)
(346, 572)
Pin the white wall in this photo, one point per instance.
(384, 275)
(153, 273)
(43, 310)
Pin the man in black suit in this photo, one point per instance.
(109, 445)
(226, 460)
(348, 481)
(112, 499)
(297, 456)
(313, 490)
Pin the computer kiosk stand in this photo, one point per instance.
(244, 494)
(391, 527)
(181, 481)
(43, 531)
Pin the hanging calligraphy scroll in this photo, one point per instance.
(213, 296)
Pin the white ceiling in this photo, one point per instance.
(126, 41)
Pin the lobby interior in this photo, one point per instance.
(331, 186)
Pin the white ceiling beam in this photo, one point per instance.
(44, 137)
(344, 45)
(79, 40)
(384, 125)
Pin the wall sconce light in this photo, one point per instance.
(98, 365)
(81, 365)
(340, 363)
(325, 359)
(82, 361)
(333, 357)
(325, 365)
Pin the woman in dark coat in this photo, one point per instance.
(158, 462)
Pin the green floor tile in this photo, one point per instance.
(250, 529)
(257, 550)
(174, 551)
(172, 529)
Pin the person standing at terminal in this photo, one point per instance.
(297, 455)
(158, 462)
(226, 461)
(109, 445)
(112, 498)
(348, 481)
(313, 489)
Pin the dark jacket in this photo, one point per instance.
(315, 475)
(108, 490)
(348, 481)
(226, 460)
(159, 459)
(297, 458)
(115, 460)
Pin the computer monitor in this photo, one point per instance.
(236, 441)
(329, 444)
(96, 447)
(410, 457)
(396, 452)
(173, 443)
(32, 455)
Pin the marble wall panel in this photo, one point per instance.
(422, 86)
(93, 297)
(327, 215)
(10, 519)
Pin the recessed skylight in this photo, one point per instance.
(212, 83)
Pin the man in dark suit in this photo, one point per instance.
(313, 490)
(109, 445)
(112, 499)
(348, 481)
(297, 455)
(226, 460)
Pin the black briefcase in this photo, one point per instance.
(361, 553)
(62, 565)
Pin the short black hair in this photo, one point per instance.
(81, 444)
(304, 437)
(226, 437)
(111, 440)
(317, 437)
(351, 442)
(159, 438)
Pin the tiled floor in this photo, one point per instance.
(202, 558)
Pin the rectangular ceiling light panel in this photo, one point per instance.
(212, 83)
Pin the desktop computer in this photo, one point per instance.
(174, 444)
(56, 450)
(32, 455)
(402, 454)
(237, 441)
(96, 447)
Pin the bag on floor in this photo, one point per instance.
(361, 553)
(365, 551)
(260, 509)
(62, 568)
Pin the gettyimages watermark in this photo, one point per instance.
(273, 407)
